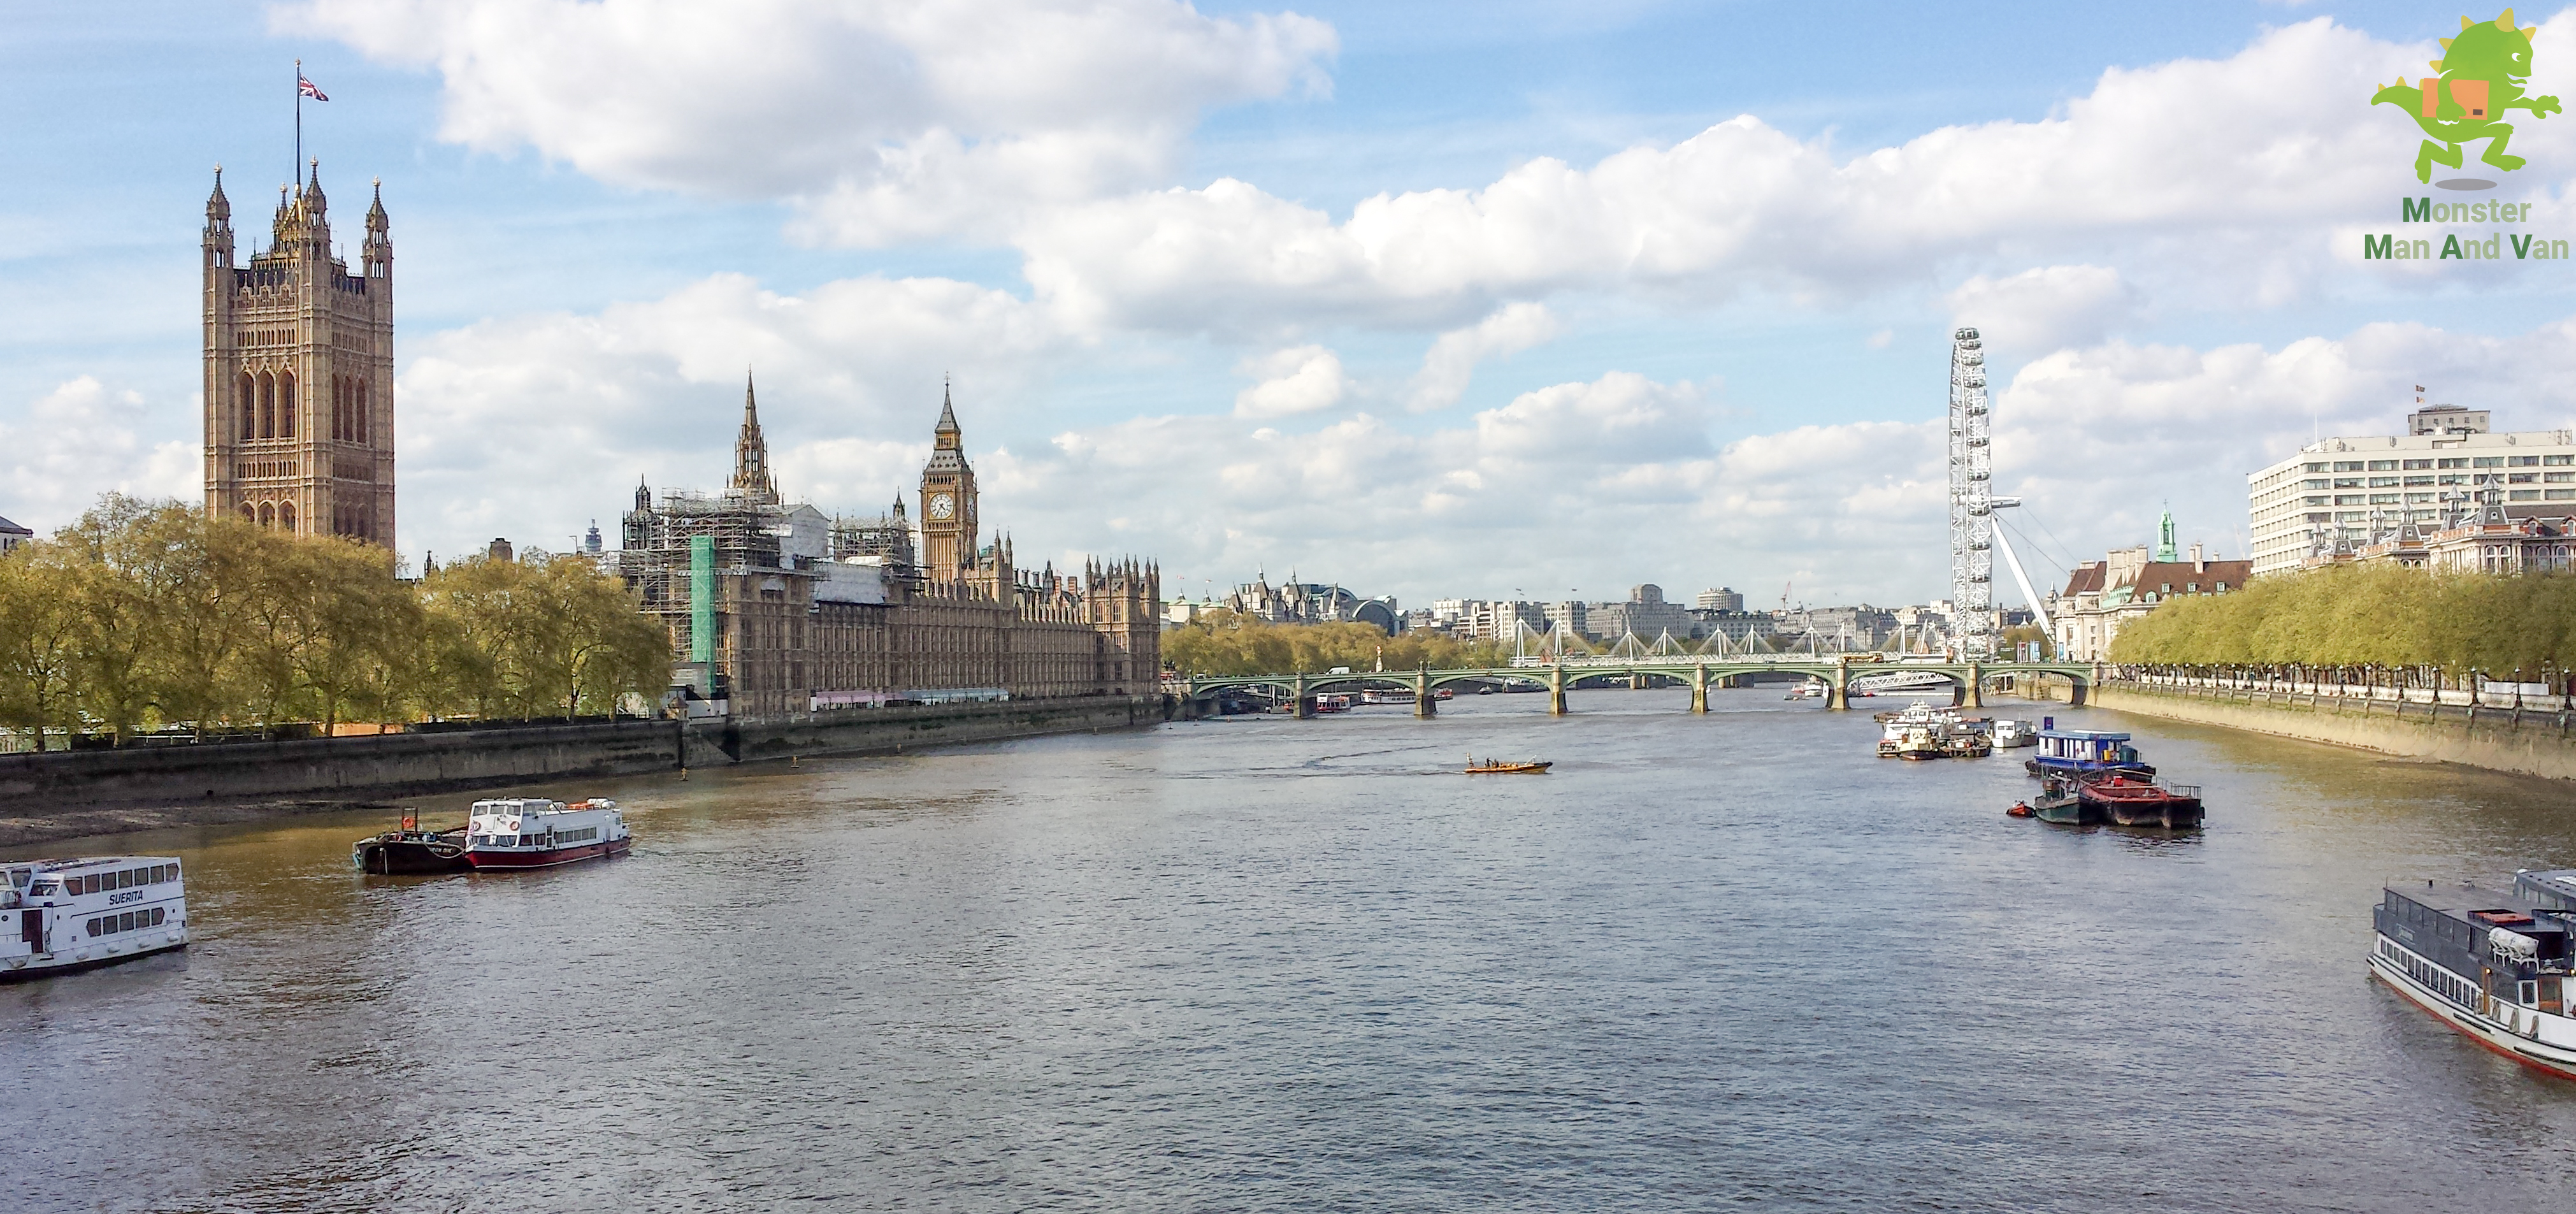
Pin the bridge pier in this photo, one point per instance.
(1556, 690)
(1699, 690)
(1838, 690)
(1304, 705)
(1423, 704)
(1976, 686)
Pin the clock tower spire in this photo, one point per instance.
(947, 499)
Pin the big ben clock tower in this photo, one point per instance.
(947, 501)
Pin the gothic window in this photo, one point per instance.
(362, 411)
(245, 396)
(267, 405)
(339, 410)
(286, 516)
(250, 513)
(267, 515)
(286, 405)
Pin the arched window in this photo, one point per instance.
(337, 416)
(250, 513)
(267, 515)
(286, 406)
(286, 516)
(267, 405)
(362, 410)
(246, 403)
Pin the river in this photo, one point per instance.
(1731, 961)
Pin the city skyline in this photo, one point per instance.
(1534, 313)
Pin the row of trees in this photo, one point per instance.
(146, 615)
(1224, 643)
(2368, 617)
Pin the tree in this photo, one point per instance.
(39, 640)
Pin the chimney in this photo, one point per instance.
(2199, 563)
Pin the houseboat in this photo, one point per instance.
(2077, 752)
(2490, 965)
(2010, 733)
(66, 915)
(532, 832)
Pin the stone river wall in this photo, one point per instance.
(83, 792)
(2529, 741)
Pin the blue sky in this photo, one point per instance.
(1427, 299)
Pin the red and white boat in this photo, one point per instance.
(532, 832)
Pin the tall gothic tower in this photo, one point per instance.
(751, 476)
(947, 501)
(300, 372)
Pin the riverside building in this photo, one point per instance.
(2344, 491)
(775, 607)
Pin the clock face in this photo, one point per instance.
(942, 505)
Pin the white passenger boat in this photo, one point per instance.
(532, 832)
(2010, 733)
(65, 915)
(2490, 965)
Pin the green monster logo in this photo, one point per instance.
(2482, 73)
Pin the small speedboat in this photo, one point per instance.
(1499, 767)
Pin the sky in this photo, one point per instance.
(1493, 300)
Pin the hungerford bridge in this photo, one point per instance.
(1842, 674)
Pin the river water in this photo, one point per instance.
(1731, 961)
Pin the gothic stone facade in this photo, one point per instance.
(812, 612)
(299, 372)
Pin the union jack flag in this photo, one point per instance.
(306, 87)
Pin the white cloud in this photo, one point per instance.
(585, 404)
(1304, 379)
(2225, 178)
(81, 440)
(2046, 308)
(1451, 362)
(889, 119)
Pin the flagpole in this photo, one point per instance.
(298, 175)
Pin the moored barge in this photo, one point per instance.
(411, 850)
(2492, 966)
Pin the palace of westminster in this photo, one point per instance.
(773, 606)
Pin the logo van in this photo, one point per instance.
(2482, 74)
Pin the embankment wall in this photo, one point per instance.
(66, 793)
(2530, 742)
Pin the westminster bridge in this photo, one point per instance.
(1838, 673)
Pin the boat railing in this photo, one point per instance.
(2181, 790)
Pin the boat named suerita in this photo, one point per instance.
(66, 915)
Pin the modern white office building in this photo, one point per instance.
(2346, 488)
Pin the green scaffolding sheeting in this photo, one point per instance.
(702, 598)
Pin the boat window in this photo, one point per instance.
(125, 878)
(2527, 993)
(159, 913)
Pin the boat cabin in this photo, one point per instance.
(2468, 944)
(2085, 749)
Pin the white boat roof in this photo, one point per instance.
(76, 863)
